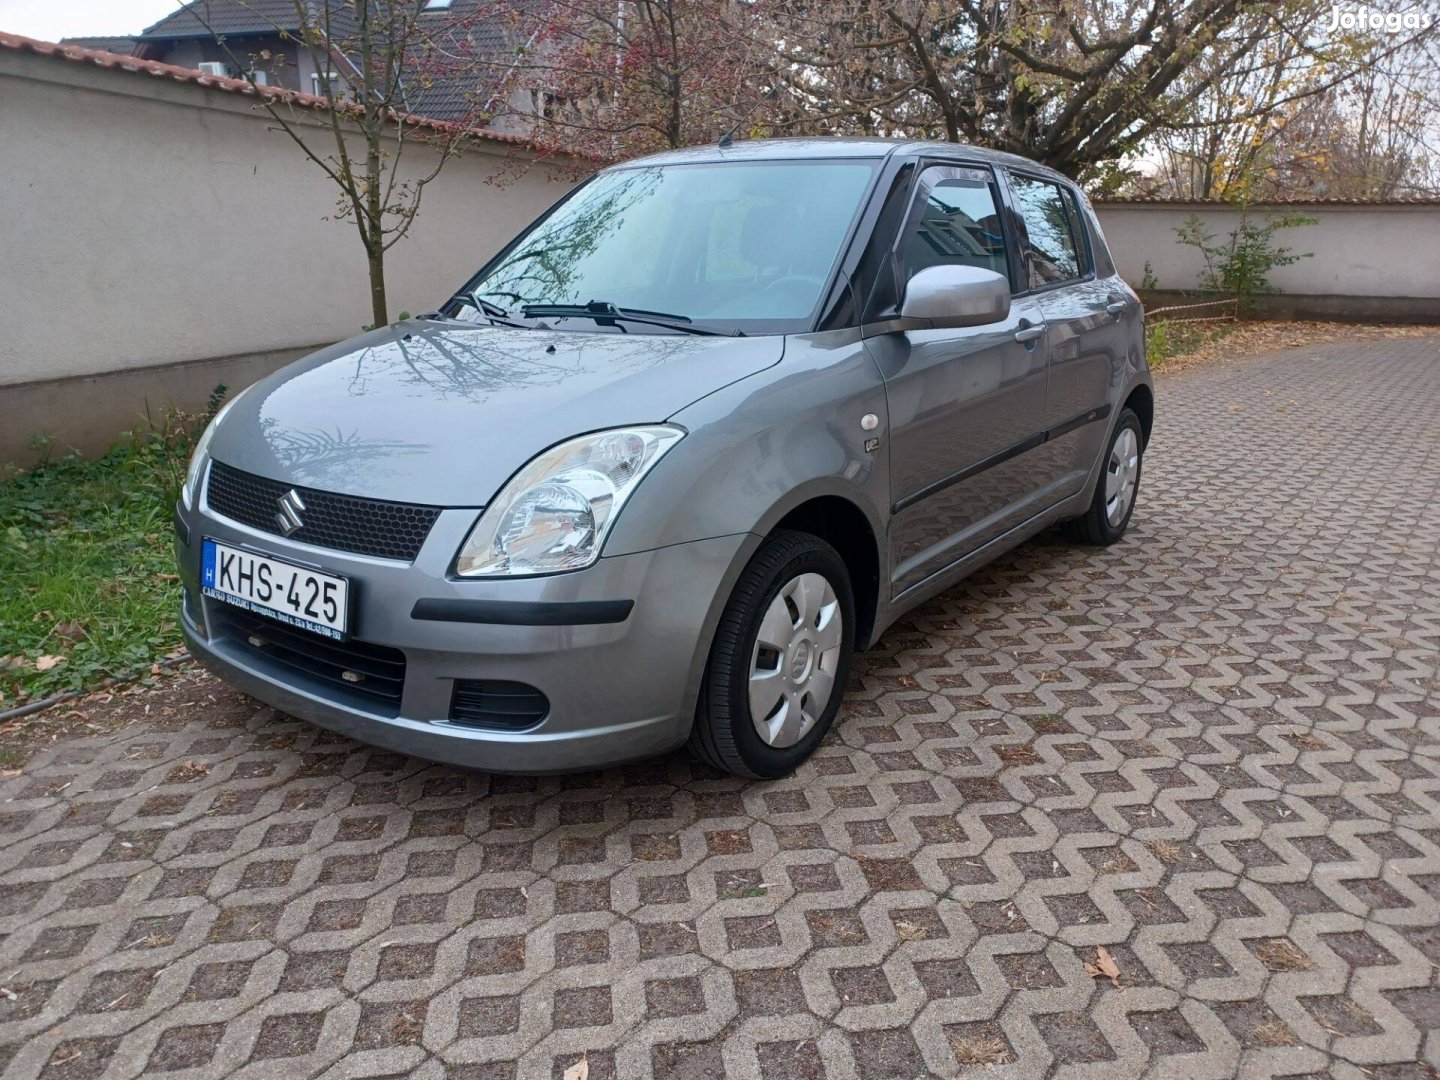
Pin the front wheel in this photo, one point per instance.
(777, 667)
(1115, 491)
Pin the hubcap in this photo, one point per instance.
(792, 667)
(1121, 475)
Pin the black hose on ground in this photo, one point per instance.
(70, 695)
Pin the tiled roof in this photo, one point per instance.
(122, 45)
(489, 36)
(1296, 200)
(186, 76)
(237, 17)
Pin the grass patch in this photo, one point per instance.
(1167, 851)
(1166, 340)
(87, 565)
(1282, 954)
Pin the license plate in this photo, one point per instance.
(295, 595)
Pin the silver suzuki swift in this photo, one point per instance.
(654, 474)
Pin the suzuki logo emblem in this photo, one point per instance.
(289, 518)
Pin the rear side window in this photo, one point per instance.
(1054, 247)
(955, 221)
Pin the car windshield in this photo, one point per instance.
(746, 246)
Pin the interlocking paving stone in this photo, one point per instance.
(1213, 750)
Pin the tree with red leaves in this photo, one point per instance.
(610, 79)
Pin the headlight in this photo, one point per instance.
(555, 513)
(191, 487)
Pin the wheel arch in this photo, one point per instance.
(843, 525)
(1142, 401)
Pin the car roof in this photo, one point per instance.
(836, 146)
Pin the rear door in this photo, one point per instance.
(1086, 307)
(965, 404)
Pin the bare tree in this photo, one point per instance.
(1076, 84)
(377, 59)
(1350, 115)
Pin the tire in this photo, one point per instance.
(777, 597)
(1096, 526)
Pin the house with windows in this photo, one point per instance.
(260, 41)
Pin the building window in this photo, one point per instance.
(436, 5)
(544, 103)
(328, 84)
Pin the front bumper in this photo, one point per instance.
(617, 690)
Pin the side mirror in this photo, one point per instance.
(953, 296)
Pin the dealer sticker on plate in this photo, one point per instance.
(295, 595)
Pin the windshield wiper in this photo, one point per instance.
(496, 314)
(606, 314)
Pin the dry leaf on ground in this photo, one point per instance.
(1253, 338)
(45, 663)
(1104, 967)
(579, 1071)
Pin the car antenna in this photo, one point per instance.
(728, 139)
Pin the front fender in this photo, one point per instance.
(762, 446)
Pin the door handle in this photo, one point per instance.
(1116, 307)
(1030, 333)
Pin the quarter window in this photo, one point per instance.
(955, 222)
(1052, 249)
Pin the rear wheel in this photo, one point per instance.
(777, 667)
(1115, 491)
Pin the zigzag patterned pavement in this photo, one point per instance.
(1213, 749)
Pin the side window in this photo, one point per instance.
(955, 221)
(1052, 253)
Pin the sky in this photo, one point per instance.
(50, 20)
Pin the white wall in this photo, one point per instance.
(1377, 250)
(145, 222)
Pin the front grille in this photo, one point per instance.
(371, 676)
(497, 703)
(343, 522)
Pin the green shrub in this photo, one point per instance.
(1242, 264)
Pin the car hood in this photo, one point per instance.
(445, 412)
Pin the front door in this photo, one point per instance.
(966, 405)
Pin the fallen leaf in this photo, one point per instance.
(12, 663)
(1104, 967)
(45, 663)
(909, 931)
(579, 1071)
(71, 631)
